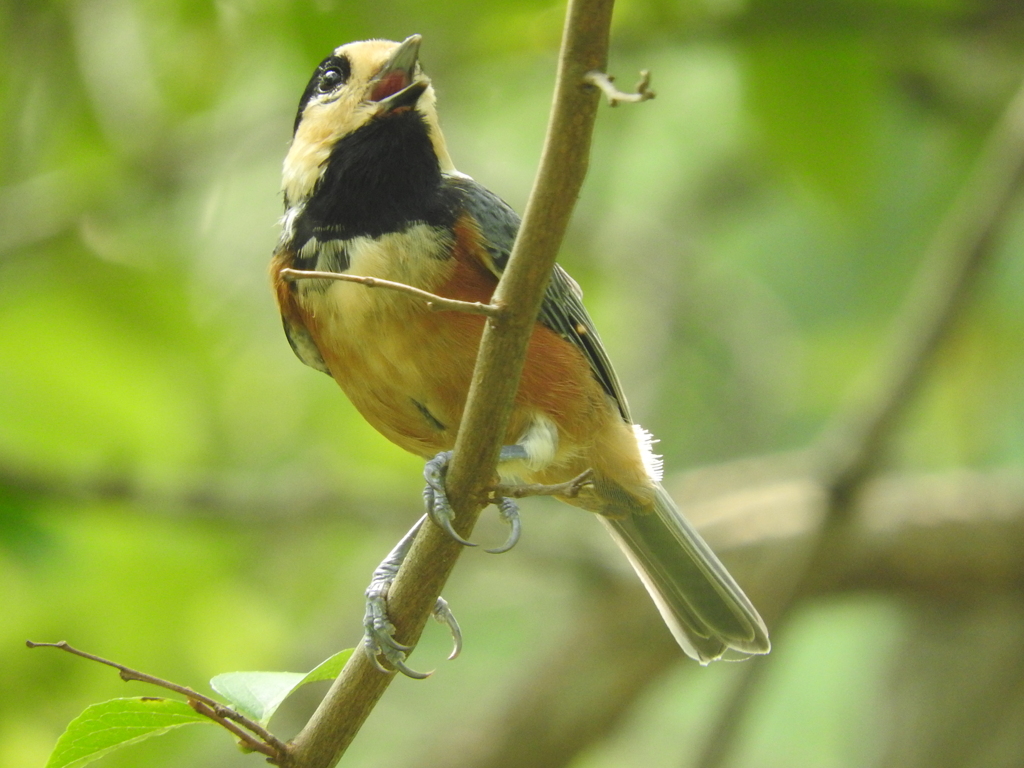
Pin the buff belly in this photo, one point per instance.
(407, 370)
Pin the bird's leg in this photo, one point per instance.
(440, 510)
(379, 632)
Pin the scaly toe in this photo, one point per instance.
(379, 639)
(436, 498)
(509, 512)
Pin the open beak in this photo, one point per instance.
(394, 86)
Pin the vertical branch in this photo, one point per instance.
(495, 381)
(563, 167)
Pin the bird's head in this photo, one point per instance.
(359, 83)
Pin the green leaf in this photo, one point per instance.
(104, 727)
(329, 669)
(258, 694)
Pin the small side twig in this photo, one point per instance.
(250, 741)
(219, 713)
(606, 83)
(434, 302)
(570, 488)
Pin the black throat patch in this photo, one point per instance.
(381, 178)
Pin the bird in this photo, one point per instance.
(370, 190)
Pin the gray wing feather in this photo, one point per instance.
(304, 347)
(562, 309)
(705, 609)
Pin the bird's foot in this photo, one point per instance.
(439, 509)
(378, 631)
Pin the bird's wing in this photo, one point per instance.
(562, 309)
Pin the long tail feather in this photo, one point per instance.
(703, 606)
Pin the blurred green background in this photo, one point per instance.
(179, 493)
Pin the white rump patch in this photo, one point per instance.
(652, 461)
(540, 442)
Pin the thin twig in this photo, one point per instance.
(412, 597)
(570, 488)
(432, 300)
(128, 674)
(248, 739)
(606, 83)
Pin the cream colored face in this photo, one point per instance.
(330, 115)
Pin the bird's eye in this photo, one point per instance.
(330, 79)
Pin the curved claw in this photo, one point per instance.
(441, 514)
(440, 510)
(376, 662)
(509, 512)
(399, 664)
(382, 640)
(379, 640)
(443, 614)
(378, 631)
(436, 497)
(396, 660)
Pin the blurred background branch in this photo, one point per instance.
(855, 441)
(926, 538)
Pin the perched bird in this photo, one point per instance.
(369, 189)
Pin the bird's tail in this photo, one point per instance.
(703, 606)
